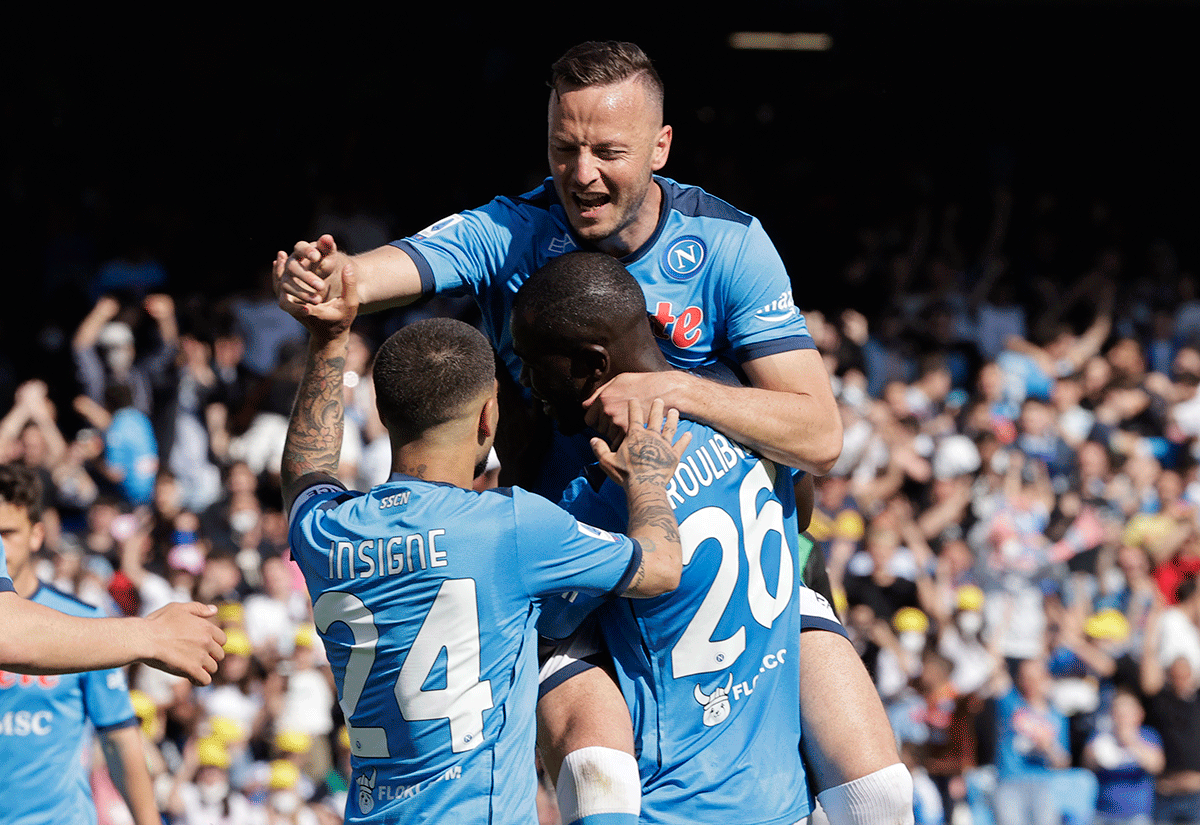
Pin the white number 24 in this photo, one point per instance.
(697, 651)
(451, 623)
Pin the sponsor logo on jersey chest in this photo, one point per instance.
(684, 258)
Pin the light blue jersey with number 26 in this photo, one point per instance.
(711, 671)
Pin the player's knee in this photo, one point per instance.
(599, 786)
(884, 797)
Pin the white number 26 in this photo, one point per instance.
(697, 651)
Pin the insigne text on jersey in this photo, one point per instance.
(385, 557)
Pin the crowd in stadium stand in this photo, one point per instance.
(1011, 532)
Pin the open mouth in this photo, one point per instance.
(588, 204)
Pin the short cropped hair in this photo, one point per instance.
(580, 294)
(22, 488)
(603, 63)
(427, 371)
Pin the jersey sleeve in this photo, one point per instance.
(321, 494)
(762, 315)
(593, 499)
(557, 553)
(106, 700)
(458, 254)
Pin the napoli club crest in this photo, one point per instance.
(684, 258)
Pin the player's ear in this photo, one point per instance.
(662, 148)
(37, 535)
(489, 418)
(591, 364)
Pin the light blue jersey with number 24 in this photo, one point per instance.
(426, 597)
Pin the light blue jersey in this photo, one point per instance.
(44, 730)
(6, 584)
(709, 272)
(426, 597)
(711, 671)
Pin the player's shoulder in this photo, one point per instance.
(535, 207)
(321, 496)
(694, 202)
(541, 197)
(521, 501)
(50, 596)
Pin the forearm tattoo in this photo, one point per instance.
(314, 438)
(652, 461)
(653, 524)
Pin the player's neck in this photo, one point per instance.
(441, 463)
(25, 581)
(634, 236)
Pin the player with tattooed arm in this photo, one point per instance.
(425, 592)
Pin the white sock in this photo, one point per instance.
(881, 798)
(599, 783)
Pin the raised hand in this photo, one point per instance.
(332, 317)
(607, 411)
(306, 275)
(648, 453)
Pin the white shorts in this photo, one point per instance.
(558, 661)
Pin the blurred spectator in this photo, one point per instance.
(106, 355)
(235, 692)
(202, 794)
(888, 576)
(285, 803)
(1179, 632)
(29, 432)
(274, 616)
(307, 697)
(1171, 683)
(949, 716)
(129, 463)
(1126, 756)
(961, 642)
(187, 424)
(265, 329)
(1032, 744)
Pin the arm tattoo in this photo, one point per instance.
(314, 438)
(640, 575)
(653, 522)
